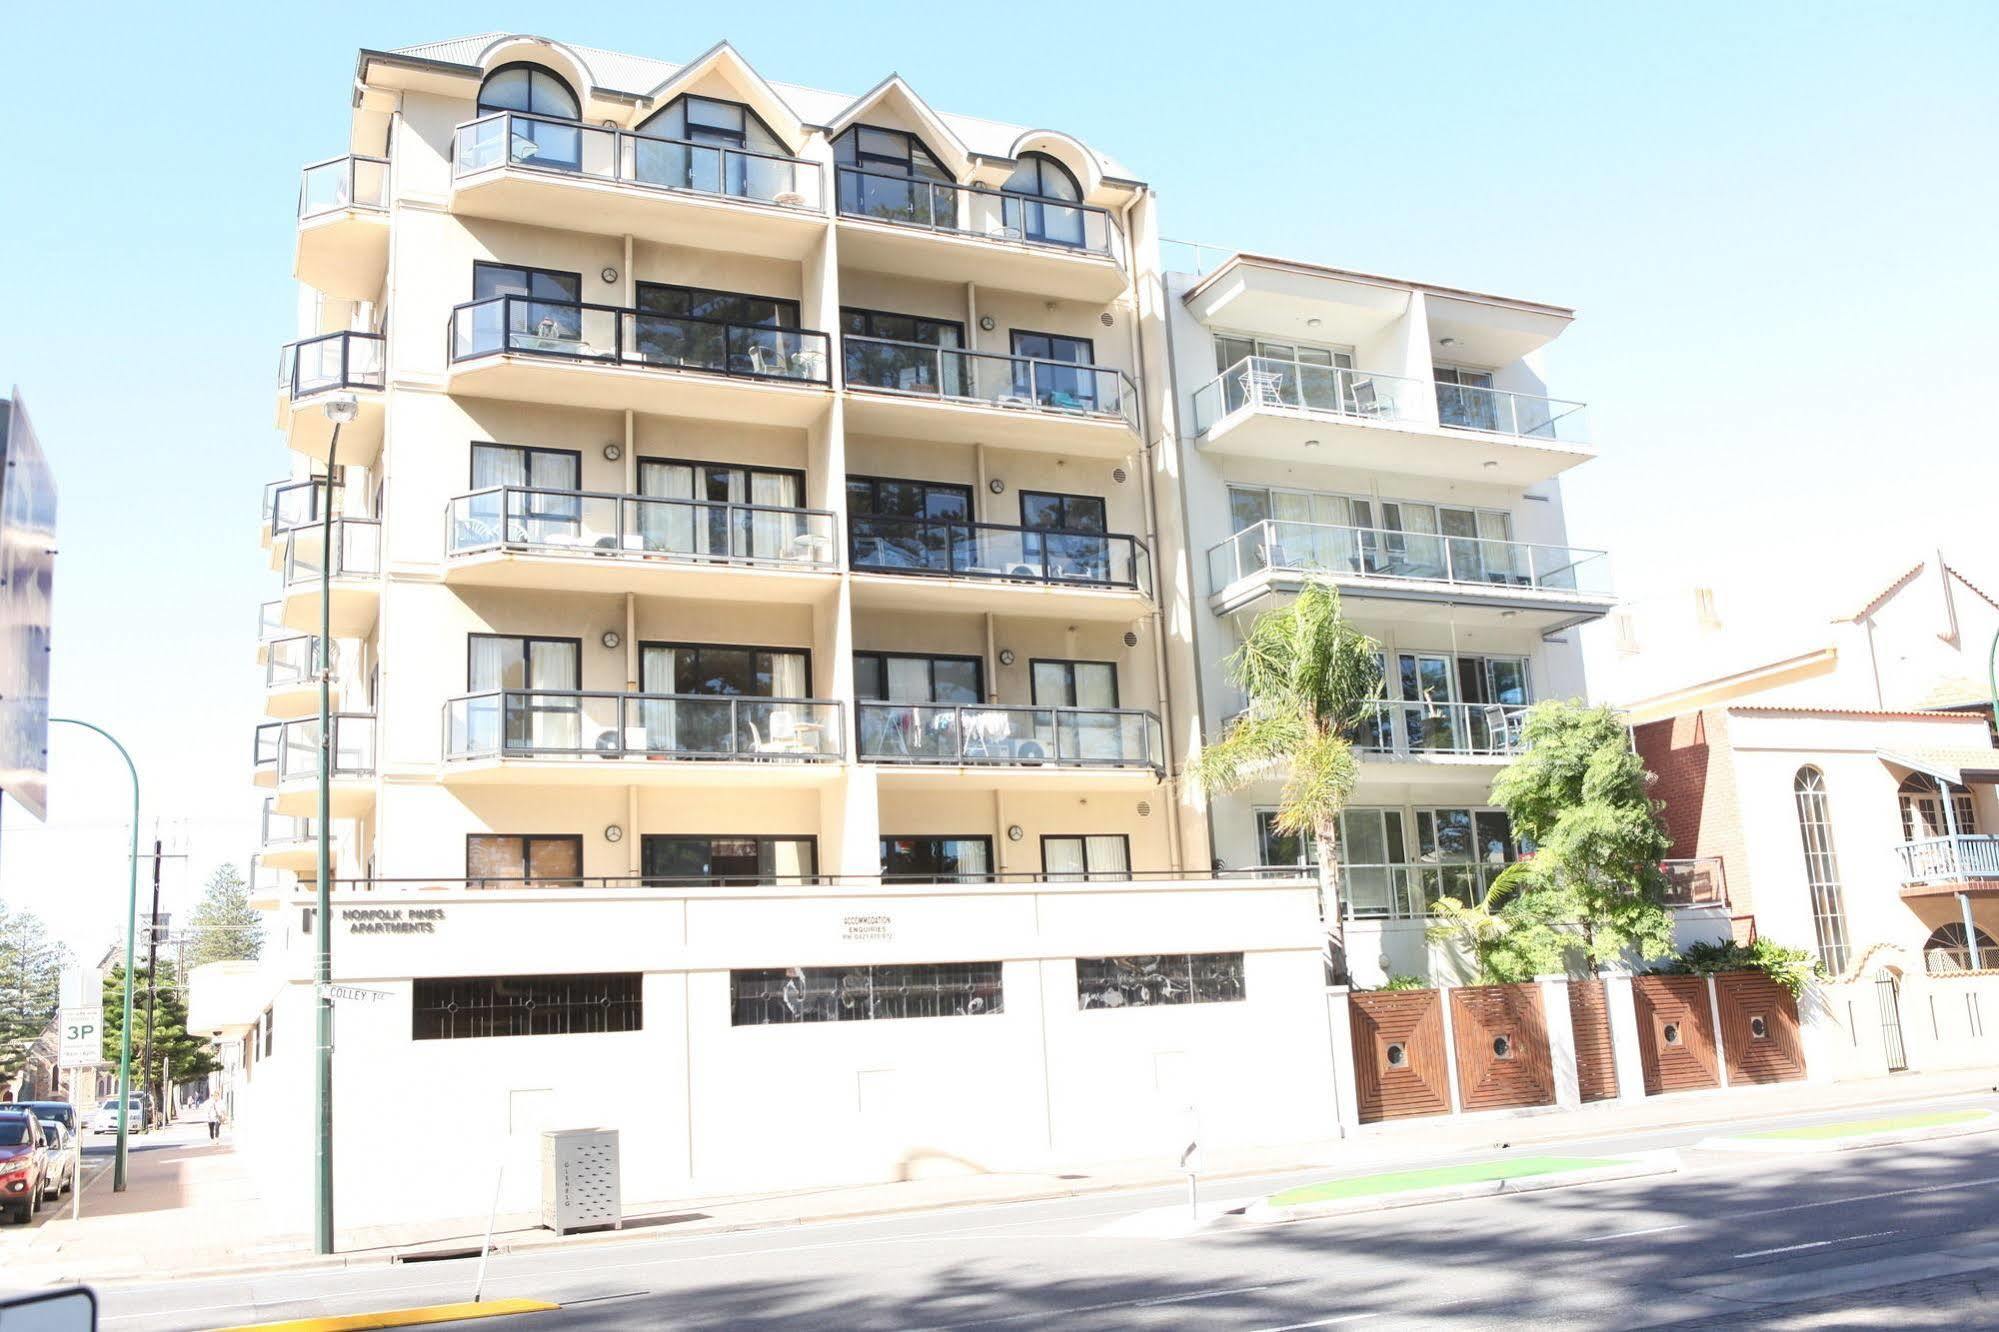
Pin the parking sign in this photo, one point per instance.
(82, 1037)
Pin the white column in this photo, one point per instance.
(1451, 1049)
(1561, 1040)
(1623, 1011)
(1714, 1020)
(1339, 1023)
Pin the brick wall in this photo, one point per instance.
(1690, 756)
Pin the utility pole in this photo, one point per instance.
(152, 973)
(341, 409)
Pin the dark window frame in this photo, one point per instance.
(871, 162)
(1042, 161)
(811, 840)
(1089, 871)
(883, 657)
(985, 839)
(479, 100)
(532, 272)
(1065, 496)
(869, 313)
(1014, 335)
(782, 303)
(805, 652)
(527, 860)
(622, 1005)
(1117, 688)
(749, 114)
(525, 640)
(472, 458)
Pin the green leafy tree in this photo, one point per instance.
(224, 927)
(1581, 796)
(1311, 680)
(30, 983)
(177, 1055)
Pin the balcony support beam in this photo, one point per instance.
(1970, 930)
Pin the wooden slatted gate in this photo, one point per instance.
(1675, 1033)
(1596, 1059)
(1501, 1034)
(1759, 1029)
(1398, 1054)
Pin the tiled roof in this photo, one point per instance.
(1907, 714)
(1957, 765)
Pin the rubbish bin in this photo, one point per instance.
(579, 1179)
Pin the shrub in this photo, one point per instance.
(1789, 967)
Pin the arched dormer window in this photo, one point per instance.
(538, 97)
(717, 147)
(891, 175)
(1821, 867)
(1945, 950)
(1923, 816)
(1044, 186)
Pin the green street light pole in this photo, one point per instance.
(131, 928)
(339, 411)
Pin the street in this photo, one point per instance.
(1895, 1236)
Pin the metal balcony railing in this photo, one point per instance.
(1502, 412)
(1024, 383)
(343, 360)
(290, 504)
(1416, 730)
(293, 660)
(571, 522)
(942, 548)
(357, 552)
(282, 829)
(1699, 881)
(1272, 546)
(1949, 859)
(343, 183)
(573, 724)
(271, 622)
(290, 749)
(1264, 384)
(993, 733)
(991, 215)
(624, 157)
(610, 335)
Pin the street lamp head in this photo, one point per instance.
(342, 408)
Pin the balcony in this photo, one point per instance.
(1944, 866)
(621, 739)
(1481, 581)
(291, 677)
(955, 233)
(270, 627)
(1001, 744)
(934, 564)
(355, 578)
(516, 536)
(568, 354)
(286, 763)
(290, 841)
(913, 390)
(312, 371)
(1699, 882)
(1442, 736)
(343, 227)
(569, 176)
(288, 504)
(1262, 408)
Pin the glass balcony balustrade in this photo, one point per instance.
(992, 215)
(1022, 383)
(1273, 546)
(581, 725)
(567, 522)
(573, 331)
(942, 548)
(1009, 735)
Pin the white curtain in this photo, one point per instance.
(771, 533)
(1062, 858)
(787, 674)
(668, 527)
(1109, 857)
(656, 668)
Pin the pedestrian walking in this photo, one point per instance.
(214, 1118)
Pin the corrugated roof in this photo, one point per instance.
(637, 76)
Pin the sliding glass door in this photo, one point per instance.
(716, 523)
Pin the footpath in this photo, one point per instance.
(193, 1209)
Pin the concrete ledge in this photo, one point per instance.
(1802, 1142)
(1634, 1166)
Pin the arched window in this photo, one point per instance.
(1821, 867)
(889, 174)
(687, 146)
(538, 96)
(1044, 187)
(1923, 815)
(1945, 950)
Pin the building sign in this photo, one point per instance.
(392, 920)
(873, 927)
(27, 582)
(82, 1038)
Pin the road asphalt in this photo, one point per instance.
(1880, 1237)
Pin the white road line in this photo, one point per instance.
(1321, 1322)
(1793, 1207)
(1627, 1234)
(1147, 1303)
(1815, 1244)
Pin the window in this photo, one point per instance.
(545, 861)
(909, 526)
(732, 307)
(529, 516)
(1097, 856)
(714, 123)
(717, 147)
(1946, 950)
(937, 859)
(1073, 547)
(906, 677)
(730, 510)
(535, 92)
(1286, 374)
(1044, 185)
(530, 687)
(861, 994)
(1464, 704)
(692, 672)
(1056, 371)
(470, 1007)
(1075, 684)
(1821, 867)
(1923, 813)
(1146, 982)
(270, 1025)
(1098, 733)
(539, 284)
(699, 328)
(727, 862)
(889, 174)
(518, 465)
(910, 366)
(520, 309)
(1465, 398)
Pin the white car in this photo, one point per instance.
(105, 1120)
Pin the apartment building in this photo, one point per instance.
(1399, 439)
(765, 649)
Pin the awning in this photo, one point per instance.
(1962, 766)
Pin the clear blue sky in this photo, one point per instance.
(1775, 220)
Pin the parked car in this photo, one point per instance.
(62, 1112)
(24, 1163)
(62, 1150)
(105, 1120)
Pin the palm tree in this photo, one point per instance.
(1312, 681)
